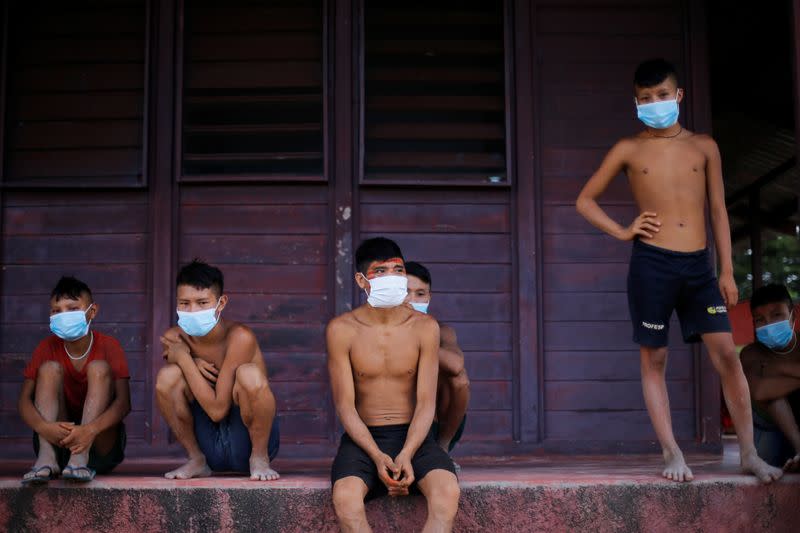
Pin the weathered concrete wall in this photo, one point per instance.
(706, 506)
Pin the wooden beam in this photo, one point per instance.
(341, 50)
(3, 95)
(528, 295)
(707, 385)
(761, 182)
(796, 70)
(162, 200)
(756, 248)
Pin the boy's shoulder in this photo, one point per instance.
(703, 141)
(238, 332)
(106, 339)
(51, 343)
(754, 350)
(341, 324)
(424, 323)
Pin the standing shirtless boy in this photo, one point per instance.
(672, 173)
(383, 365)
(213, 392)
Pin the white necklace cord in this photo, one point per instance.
(89, 349)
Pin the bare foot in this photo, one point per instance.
(260, 470)
(793, 464)
(753, 464)
(676, 469)
(192, 468)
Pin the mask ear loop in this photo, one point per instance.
(88, 324)
(368, 283)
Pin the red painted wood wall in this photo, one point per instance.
(269, 138)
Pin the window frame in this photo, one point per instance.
(508, 62)
(105, 183)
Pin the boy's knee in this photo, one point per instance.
(98, 370)
(251, 378)
(460, 381)
(729, 359)
(50, 370)
(169, 379)
(346, 501)
(654, 358)
(444, 499)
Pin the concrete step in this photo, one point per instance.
(530, 494)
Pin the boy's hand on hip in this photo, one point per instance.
(730, 293)
(645, 225)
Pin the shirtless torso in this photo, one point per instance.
(385, 361)
(668, 177)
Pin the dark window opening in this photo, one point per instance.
(252, 91)
(75, 94)
(753, 111)
(434, 91)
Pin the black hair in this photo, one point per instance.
(418, 271)
(71, 288)
(376, 249)
(772, 293)
(654, 71)
(201, 275)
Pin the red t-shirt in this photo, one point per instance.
(104, 348)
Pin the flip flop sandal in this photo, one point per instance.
(36, 479)
(80, 479)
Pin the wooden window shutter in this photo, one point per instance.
(75, 94)
(434, 92)
(252, 91)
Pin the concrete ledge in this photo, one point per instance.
(527, 495)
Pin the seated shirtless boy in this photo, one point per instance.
(672, 173)
(213, 392)
(772, 367)
(452, 393)
(383, 365)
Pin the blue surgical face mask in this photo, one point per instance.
(659, 115)
(198, 323)
(776, 335)
(422, 307)
(70, 325)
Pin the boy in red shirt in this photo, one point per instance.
(75, 392)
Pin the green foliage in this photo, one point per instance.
(780, 263)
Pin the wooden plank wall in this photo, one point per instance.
(586, 55)
(266, 216)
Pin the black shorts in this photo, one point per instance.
(101, 464)
(660, 281)
(351, 460)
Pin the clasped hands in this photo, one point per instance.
(397, 474)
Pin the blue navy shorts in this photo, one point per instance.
(226, 444)
(661, 281)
